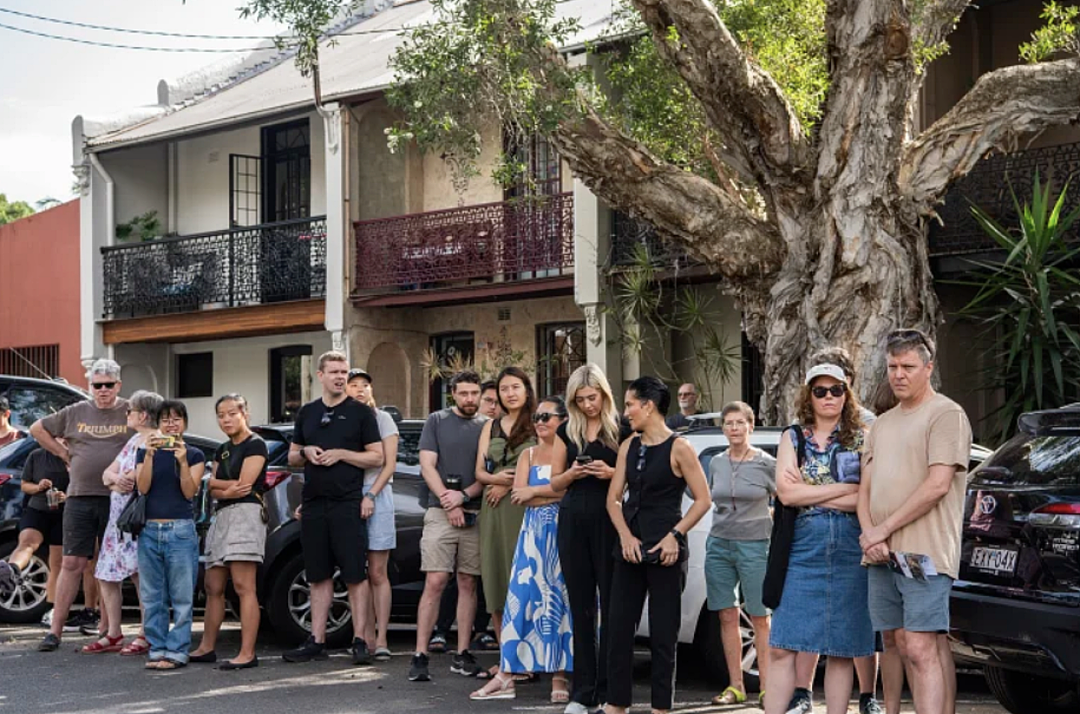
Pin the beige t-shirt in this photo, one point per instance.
(902, 447)
(94, 437)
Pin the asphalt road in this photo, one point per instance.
(65, 681)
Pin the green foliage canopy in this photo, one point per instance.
(13, 210)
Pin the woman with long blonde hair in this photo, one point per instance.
(585, 453)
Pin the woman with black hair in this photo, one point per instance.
(502, 442)
(654, 469)
(169, 474)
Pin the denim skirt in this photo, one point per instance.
(824, 607)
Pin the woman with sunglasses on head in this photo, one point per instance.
(236, 541)
(502, 442)
(737, 550)
(536, 633)
(586, 452)
(654, 469)
(118, 557)
(824, 607)
(169, 474)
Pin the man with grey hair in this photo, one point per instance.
(94, 432)
(911, 504)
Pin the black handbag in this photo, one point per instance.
(133, 518)
(783, 533)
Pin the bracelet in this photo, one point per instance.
(680, 537)
(369, 494)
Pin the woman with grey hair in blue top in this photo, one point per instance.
(743, 481)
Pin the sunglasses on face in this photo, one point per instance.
(837, 390)
(103, 385)
(327, 417)
(543, 417)
(897, 337)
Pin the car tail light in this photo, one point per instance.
(1060, 509)
(273, 478)
(4, 478)
(1064, 514)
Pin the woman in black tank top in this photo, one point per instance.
(653, 470)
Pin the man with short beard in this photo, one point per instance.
(688, 399)
(335, 439)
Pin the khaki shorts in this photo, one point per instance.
(445, 548)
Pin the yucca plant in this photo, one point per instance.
(1029, 305)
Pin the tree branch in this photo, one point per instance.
(1002, 106)
(936, 20)
(711, 223)
(741, 101)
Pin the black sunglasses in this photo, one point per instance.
(543, 417)
(641, 457)
(837, 390)
(897, 337)
(103, 385)
(327, 417)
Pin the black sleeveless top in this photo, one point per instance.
(654, 502)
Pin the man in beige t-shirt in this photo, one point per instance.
(911, 501)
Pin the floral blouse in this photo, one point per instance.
(833, 463)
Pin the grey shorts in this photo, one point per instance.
(899, 603)
(85, 519)
(237, 534)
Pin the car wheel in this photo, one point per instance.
(710, 650)
(1022, 693)
(290, 606)
(27, 603)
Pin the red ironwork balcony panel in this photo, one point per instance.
(523, 239)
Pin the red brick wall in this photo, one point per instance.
(39, 285)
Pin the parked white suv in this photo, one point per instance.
(700, 626)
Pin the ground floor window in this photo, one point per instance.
(290, 382)
(450, 352)
(560, 349)
(41, 361)
(195, 375)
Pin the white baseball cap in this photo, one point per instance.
(825, 370)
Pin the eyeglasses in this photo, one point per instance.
(327, 417)
(897, 337)
(543, 417)
(837, 390)
(641, 457)
(134, 411)
(687, 394)
(736, 424)
(103, 385)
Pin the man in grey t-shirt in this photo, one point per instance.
(451, 539)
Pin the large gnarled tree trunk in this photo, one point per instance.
(840, 255)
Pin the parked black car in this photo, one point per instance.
(31, 399)
(1016, 607)
(283, 587)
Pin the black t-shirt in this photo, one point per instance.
(351, 426)
(599, 451)
(230, 460)
(41, 465)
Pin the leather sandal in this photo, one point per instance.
(504, 690)
(730, 696)
(105, 644)
(138, 646)
(560, 696)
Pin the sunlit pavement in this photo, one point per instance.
(67, 681)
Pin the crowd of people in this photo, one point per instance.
(555, 514)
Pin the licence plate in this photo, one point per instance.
(995, 560)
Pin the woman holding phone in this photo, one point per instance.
(170, 472)
(584, 457)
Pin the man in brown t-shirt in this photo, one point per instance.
(911, 502)
(94, 433)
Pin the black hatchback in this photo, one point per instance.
(1016, 607)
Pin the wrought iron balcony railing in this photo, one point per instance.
(253, 265)
(523, 239)
(988, 187)
(632, 236)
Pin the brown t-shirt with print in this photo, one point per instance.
(94, 438)
(902, 446)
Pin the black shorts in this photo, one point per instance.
(85, 518)
(50, 524)
(333, 535)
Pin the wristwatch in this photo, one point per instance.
(369, 494)
(680, 537)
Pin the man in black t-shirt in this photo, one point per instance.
(335, 439)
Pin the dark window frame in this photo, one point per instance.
(545, 333)
(297, 159)
(197, 390)
(278, 414)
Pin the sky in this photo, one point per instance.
(47, 83)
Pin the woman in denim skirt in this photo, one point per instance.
(824, 604)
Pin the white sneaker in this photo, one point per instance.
(576, 708)
(46, 619)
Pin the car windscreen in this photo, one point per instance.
(13, 456)
(28, 404)
(1030, 460)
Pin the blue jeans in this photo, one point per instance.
(168, 568)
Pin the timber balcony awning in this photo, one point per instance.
(988, 187)
(251, 265)
(521, 246)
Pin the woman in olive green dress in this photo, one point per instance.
(501, 443)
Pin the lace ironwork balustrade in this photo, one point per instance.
(253, 265)
(523, 239)
(987, 186)
(630, 236)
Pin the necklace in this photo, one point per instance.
(735, 475)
